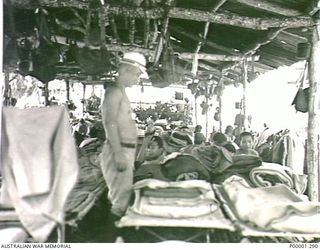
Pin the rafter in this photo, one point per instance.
(110, 47)
(206, 42)
(270, 7)
(217, 57)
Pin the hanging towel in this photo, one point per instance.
(40, 166)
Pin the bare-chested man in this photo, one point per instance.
(118, 154)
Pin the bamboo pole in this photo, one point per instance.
(270, 7)
(220, 113)
(207, 116)
(46, 94)
(67, 90)
(114, 28)
(132, 29)
(244, 96)
(218, 57)
(220, 100)
(314, 116)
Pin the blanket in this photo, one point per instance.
(215, 158)
(179, 199)
(272, 208)
(182, 166)
(271, 174)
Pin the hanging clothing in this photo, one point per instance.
(40, 166)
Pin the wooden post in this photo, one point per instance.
(68, 90)
(6, 94)
(220, 113)
(314, 116)
(244, 97)
(196, 109)
(83, 99)
(207, 118)
(46, 94)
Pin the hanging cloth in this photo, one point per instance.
(301, 99)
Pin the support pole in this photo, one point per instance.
(207, 117)
(314, 116)
(46, 94)
(244, 91)
(68, 90)
(196, 109)
(220, 113)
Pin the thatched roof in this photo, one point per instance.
(221, 32)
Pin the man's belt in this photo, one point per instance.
(128, 145)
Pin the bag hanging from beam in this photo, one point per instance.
(301, 99)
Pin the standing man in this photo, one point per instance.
(118, 153)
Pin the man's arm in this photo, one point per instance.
(111, 108)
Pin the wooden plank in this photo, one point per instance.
(270, 7)
(314, 117)
(217, 57)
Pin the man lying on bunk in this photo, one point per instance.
(150, 167)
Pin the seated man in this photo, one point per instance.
(150, 167)
(246, 144)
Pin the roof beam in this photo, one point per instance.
(217, 57)
(194, 15)
(270, 7)
(110, 47)
(240, 21)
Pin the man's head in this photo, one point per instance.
(198, 128)
(246, 141)
(219, 139)
(132, 65)
(155, 148)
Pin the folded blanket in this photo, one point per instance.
(272, 208)
(174, 210)
(172, 192)
(201, 185)
(181, 199)
(271, 174)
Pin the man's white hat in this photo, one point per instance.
(135, 59)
